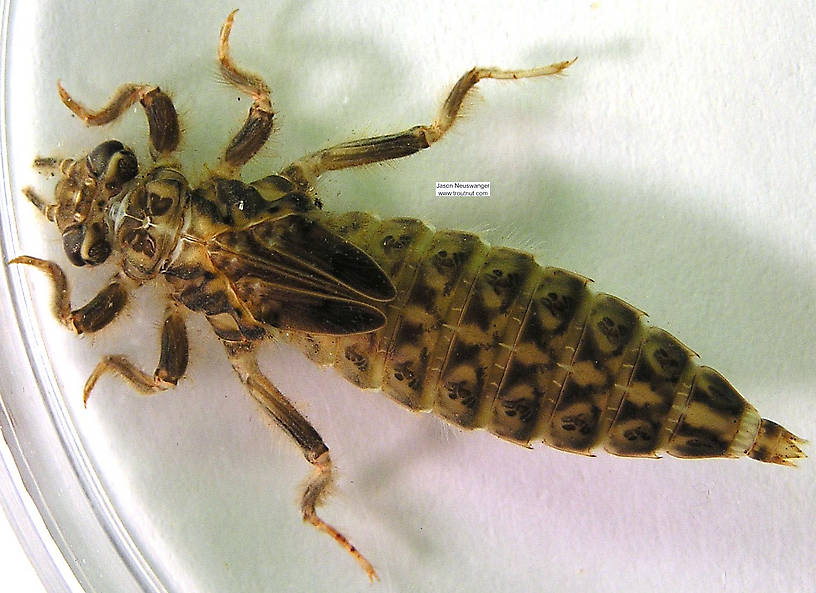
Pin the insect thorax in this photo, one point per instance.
(148, 221)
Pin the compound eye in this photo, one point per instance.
(112, 163)
(86, 244)
(72, 243)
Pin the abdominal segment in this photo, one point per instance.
(486, 338)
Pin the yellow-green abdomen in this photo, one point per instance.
(486, 338)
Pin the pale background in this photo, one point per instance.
(18, 573)
(673, 165)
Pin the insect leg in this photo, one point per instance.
(258, 126)
(162, 119)
(172, 361)
(97, 313)
(305, 170)
(242, 357)
(48, 210)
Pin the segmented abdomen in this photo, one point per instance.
(487, 338)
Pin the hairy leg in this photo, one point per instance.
(305, 171)
(242, 357)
